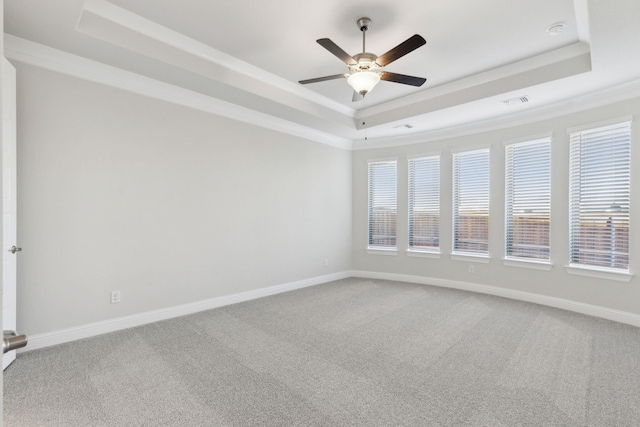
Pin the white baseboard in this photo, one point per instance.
(578, 307)
(92, 329)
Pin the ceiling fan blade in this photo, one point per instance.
(409, 45)
(337, 51)
(404, 79)
(356, 97)
(322, 79)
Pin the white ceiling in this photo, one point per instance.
(252, 53)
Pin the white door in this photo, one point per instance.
(9, 207)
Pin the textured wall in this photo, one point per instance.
(166, 204)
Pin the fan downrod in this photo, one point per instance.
(365, 59)
(363, 24)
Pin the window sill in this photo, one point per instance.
(484, 259)
(382, 251)
(526, 263)
(423, 254)
(609, 274)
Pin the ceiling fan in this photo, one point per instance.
(366, 69)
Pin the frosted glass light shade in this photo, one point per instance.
(363, 81)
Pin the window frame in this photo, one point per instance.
(422, 251)
(464, 255)
(374, 248)
(576, 209)
(511, 145)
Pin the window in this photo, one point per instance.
(424, 203)
(382, 204)
(527, 199)
(599, 197)
(471, 202)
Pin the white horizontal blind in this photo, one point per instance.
(599, 197)
(528, 199)
(471, 202)
(424, 203)
(382, 204)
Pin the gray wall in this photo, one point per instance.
(171, 206)
(166, 204)
(555, 283)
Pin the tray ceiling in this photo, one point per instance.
(251, 55)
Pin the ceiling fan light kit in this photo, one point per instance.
(363, 81)
(366, 69)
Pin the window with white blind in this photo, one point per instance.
(382, 204)
(528, 200)
(599, 197)
(424, 204)
(471, 202)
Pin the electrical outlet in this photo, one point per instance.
(472, 269)
(326, 262)
(115, 297)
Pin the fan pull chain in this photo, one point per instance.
(366, 130)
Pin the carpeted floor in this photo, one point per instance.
(355, 352)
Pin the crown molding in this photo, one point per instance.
(32, 53)
(563, 62)
(106, 21)
(601, 98)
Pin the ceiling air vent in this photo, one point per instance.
(516, 101)
(404, 126)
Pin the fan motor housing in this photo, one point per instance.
(365, 60)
